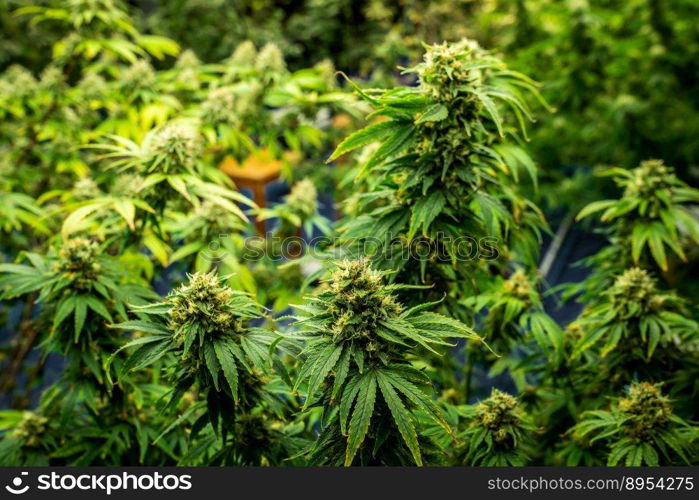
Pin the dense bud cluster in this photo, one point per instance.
(519, 286)
(16, 82)
(303, 198)
(219, 106)
(499, 413)
(204, 304)
(359, 303)
(77, 260)
(244, 54)
(447, 69)
(270, 59)
(455, 76)
(127, 185)
(85, 189)
(648, 178)
(636, 288)
(216, 219)
(174, 148)
(92, 86)
(646, 409)
(52, 78)
(140, 75)
(187, 60)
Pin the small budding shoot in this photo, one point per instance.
(244, 54)
(139, 76)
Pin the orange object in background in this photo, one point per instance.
(254, 173)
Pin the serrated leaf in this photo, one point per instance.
(361, 417)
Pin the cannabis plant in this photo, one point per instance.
(203, 326)
(634, 318)
(81, 289)
(356, 367)
(640, 428)
(652, 219)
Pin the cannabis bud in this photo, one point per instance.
(359, 303)
(174, 148)
(78, 262)
(52, 78)
(92, 86)
(270, 59)
(127, 185)
(85, 189)
(519, 286)
(648, 178)
(187, 60)
(203, 304)
(30, 429)
(219, 106)
(635, 288)
(245, 54)
(645, 409)
(17, 82)
(499, 414)
(140, 75)
(303, 198)
(448, 70)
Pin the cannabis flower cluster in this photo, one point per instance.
(634, 292)
(244, 54)
(499, 414)
(77, 261)
(519, 286)
(648, 178)
(359, 301)
(139, 76)
(219, 106)
(203, 306)
(645, 409)
(448, 69)
(302, 200)
(175, 148)
(270, 60)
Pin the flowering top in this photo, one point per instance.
(646, 409)
(174, 148)
(77, 261)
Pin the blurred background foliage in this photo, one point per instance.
(622, 74)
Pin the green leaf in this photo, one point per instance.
(364, 136)
(348, 396)
(401, 417)
(227, 360)
(593, 207)
(80, 314)
(325, 362)
(361, 417)
(153, 349)
(425, 211)
(434, 113)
